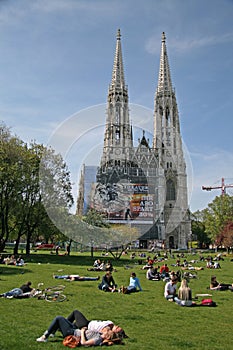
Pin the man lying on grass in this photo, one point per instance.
(76, 278)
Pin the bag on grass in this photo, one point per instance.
(72, 341)
(208, 302)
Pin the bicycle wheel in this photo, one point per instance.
(55, 297)
(55, 288)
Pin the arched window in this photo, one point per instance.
(171, 242)
(171, 193)
(168, 117)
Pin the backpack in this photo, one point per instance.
(208, 302)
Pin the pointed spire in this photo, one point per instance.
(164, 83)
(118, 71)
(143, 141)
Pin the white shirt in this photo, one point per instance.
(170, 289)
(98, 325)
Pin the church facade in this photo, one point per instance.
(143, 185)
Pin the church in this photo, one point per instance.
(144, 185)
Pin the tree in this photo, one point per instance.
(25, 192)
(95, 218)
(10, 181)
(198, 229)
(217, 215)
(225, 238)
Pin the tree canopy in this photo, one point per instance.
(22, 213)
(217, 215)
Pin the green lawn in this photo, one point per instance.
(150, 321)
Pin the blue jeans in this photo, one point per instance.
(61, 323)
(13, 293)
(173, 297)
(131, 289)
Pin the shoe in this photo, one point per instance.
(10, 297)
(42, 339)
(52, 335)
(124, 290)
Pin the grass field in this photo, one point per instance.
(150, 321)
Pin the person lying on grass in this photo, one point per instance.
(24, 291)
(88, 337)
(76, 278)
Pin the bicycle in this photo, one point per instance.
(50, 294)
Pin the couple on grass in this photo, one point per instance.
(91, 332)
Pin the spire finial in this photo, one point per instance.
(163, 37)
(118, 34)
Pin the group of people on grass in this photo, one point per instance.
(102, 266)
(108, 284)
(12, 260)
(184, 295)
(92, 333)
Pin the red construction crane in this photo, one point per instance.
(222, 187)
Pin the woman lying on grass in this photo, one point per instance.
(88, 337)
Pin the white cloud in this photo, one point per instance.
(182, 45)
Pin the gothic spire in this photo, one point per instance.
(118, 139)
(118, 79)
(164, 83)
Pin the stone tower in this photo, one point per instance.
(167, 140)
(118, 140)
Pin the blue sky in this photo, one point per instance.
(56, 59)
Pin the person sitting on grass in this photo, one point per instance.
(88, 337)
(215, 285)
(107, 284)
(152, 274)
(170, 289)
(20, 261)
(98, 266)
(134, 285)
(184, 295)
(24, 291)
(76, 278)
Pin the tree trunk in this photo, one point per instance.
(16, 247)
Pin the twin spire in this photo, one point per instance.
(164, 81)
